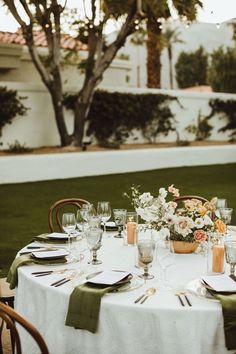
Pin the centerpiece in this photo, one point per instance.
(187, 225)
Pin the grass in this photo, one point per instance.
(24, 207)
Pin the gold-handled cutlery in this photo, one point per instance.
(65, 280)
(149, 292)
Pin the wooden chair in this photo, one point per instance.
(6, 297)
(56, 210)
(12, 318)
(186, 197)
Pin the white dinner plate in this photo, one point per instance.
(196, 287)
(62, 236)
(50, 254)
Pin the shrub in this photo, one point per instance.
(191, 68)
(222, 71)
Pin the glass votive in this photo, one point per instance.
(131, 228)
(215, 254)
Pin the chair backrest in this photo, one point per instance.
(186, 197)
(12, 318)
(56, 210)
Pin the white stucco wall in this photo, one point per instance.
(38, 128)
(25, 168)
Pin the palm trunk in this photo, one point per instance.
(170, 67)
(153, 54)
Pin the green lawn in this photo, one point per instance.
(24, 207)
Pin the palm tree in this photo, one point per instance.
(169, 38)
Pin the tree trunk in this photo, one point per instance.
(170, 67)
(82, 108)
(153, 54)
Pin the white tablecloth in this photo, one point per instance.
(159, 326)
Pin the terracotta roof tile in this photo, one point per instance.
(67, 42)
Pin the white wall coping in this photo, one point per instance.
(27, 168)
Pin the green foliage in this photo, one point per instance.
(18, 148)
(113, 116)
(10, 106)
(191, 68)
(222, 71)
(226, 109)
(202, 130)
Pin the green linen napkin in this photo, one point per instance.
(46, 238)
(228, 303)
(84, 305)
(12, 276)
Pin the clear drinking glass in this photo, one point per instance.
(226, 214)
(104, 212)
(165, 256)
(145, 256)
(221, 203)
(230, 256)
(86, 211)
(119, 218)
(69, 226)
(94, 238)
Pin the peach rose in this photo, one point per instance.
(220, 226)
(200, 235)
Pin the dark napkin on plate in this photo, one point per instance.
(228, 303)
(84, 305)
(12, 276)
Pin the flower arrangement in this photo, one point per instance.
(190, 223)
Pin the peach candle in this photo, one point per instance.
(131, 232)
(218, 253)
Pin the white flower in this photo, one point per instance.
(183, 225)
(162, 192)
(169, 219)
(145, 198)
(199, 223)
(207, 220)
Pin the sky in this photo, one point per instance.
(215, 11)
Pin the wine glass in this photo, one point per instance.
(165, 256)
(69, 226)
(226, 214)
(86, 211)
(104, 212)
(145, 256)
(119, 217)
(221, 203)
(230, 256)
(94, 238)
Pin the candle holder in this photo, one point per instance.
(215, 254)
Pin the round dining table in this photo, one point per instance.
(160, 325)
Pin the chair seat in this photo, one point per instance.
(5, 291)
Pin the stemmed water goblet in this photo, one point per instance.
(104, 212)
(230, 256)
(145, 256)
(119, 218)
(220, 203)
(86, 211)
(165, 256)
(94, 238)
(226, 214)
(69, 226)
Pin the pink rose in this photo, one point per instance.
(200, 235)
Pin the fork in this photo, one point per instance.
(64, 280)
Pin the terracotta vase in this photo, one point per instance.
(185, 247)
